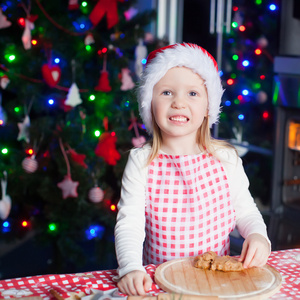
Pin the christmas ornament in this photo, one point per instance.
(68, 187)
(5, 202)
(127, 83)
(140, 55)
(4, 23)
(51, 74)
(30, 164)
(262, 42)
(103, 83)
(261, 97)
(26, 37)
(24, 130)
(130, 13)
(73, 4)
(96, 194)
(4, 81)
(106, 148)
(139, 140)
(78, 158)
(108, 8)
(89, 39)
(73, 96)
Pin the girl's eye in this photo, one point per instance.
(193, 94)
(166, 93)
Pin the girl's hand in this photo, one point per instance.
(255, 251)
(135, 283)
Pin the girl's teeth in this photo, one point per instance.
(179, 119)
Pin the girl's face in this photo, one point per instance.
(179, 104)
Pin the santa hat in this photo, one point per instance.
(180, 55)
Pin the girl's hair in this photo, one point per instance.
(204, 139)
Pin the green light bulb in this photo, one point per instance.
(84, 4)
(52, 226)
(97, 133)
(4, 151)
(235, 57)
(92, 97)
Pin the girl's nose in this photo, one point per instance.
(178, 103)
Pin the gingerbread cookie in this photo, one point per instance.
(211, 261)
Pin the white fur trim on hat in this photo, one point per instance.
(180, 55)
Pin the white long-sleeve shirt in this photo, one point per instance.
(130, 226)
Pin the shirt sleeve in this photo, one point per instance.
(248, 218)
(130, 225)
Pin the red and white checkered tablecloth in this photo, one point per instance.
(287, 262)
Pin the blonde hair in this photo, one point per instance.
(204, 140)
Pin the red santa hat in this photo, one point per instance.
(187, 55)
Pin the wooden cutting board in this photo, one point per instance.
(180, 276)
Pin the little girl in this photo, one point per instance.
(184, 192)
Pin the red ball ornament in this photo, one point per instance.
(30, 164)
(96, 194)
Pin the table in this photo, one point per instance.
(287, 262)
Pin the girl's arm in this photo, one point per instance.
(130, 226)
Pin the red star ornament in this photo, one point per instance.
(68, 187)
(78, 158)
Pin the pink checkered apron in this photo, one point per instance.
(188, 208)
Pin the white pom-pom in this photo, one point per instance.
(96, 194)
(30, 164)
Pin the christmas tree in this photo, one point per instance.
(68, 117)
(247, 117)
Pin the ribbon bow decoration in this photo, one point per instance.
(108, 7)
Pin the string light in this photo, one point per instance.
(57, 60)
(29, 151)
(257, 51)
(235, 57)
(10, 57)
(227, 102)
(17, 109)
(235, 8)
(21, 21)
(88, 48)
(4, 151)
(52, 227)
(234, 24)
(94, 231)
(246, 63)
(24, 223)
(272, 7)
(265, 115)
(34, 42)
(112, 207)
(241, 117)
(245, 92)
(242, 28)
(97, 133)
(230, 81)
(84, 4)
(50, 101)
(1, 122)
(92, 97)
(262, 77)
